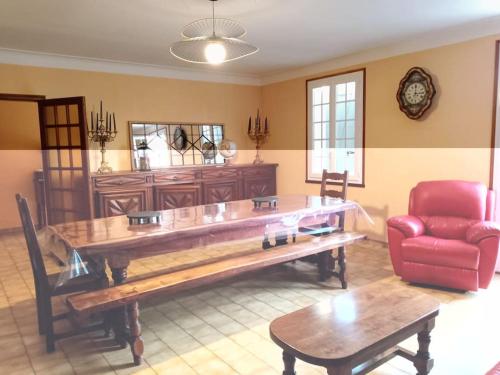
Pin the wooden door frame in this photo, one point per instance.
(22, 97)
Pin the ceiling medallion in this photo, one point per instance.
(212, 41)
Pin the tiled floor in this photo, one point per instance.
(223, 328)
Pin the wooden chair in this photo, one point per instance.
(45, 285)
(326, 266)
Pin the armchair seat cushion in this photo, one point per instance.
(440, 252)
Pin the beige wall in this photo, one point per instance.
(131, 98)
(19, 156)
(451, 142)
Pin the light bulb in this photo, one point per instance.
(215, 53)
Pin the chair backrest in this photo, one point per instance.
(334, 177)
(464, 199)
(35, 254)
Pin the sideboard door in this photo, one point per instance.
(121, 202)
(259, 187)
(221, 191)
(176, 196)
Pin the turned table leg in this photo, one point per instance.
(136, 342)
(289, 362)
(342, 267)
(118, 316)
(422, 361)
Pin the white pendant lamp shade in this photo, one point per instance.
(212, 41)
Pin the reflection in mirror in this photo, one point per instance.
(162, 145)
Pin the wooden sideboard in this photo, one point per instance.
(121, 192)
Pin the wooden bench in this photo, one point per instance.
(129, 294)
(358, 331)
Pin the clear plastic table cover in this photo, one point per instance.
(204, 249)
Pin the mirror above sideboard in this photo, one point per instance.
(157, 145)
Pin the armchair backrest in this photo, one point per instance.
(451, 198)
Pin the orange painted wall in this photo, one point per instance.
(131, 98)
(19, 156)
(451, 142)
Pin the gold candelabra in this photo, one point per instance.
(259, 134)
(103, 132)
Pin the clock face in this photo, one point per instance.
(415, 93)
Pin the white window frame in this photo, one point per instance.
(358, 76)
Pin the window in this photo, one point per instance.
(335, 126)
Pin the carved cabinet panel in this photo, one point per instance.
(113, 203)
(259, 187)
(222, 191)
(177, 196)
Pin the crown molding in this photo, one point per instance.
(49, 60)
(429, 40)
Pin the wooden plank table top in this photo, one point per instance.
(196, 226)
(353, 327)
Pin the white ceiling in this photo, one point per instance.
(290, 33)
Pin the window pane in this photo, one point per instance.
(317, 130)
(351, 107)
(326, 130)
(340, 92)
(350, 144)
(317, 145)
(339, 144)
(340, 111)
(340, 130)
(317, 113)
(316, 95)
(326, 113)
(326, 94)
(340, 164)
(350, 129)
(351, 90)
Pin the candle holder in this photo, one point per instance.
(259, 135)
(103, 132)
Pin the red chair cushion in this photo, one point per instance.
(441, 252)
(449, 227)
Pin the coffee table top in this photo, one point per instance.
(338, 329)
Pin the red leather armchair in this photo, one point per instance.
(448, 238)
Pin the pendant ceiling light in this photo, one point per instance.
(212, 41)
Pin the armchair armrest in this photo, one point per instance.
(411, 226)
(482, 230)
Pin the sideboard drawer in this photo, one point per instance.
(258, 172)
(114, 181)
(222, 172)
(174, 176)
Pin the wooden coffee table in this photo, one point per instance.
(359, 330)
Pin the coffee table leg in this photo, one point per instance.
(289, 361)
(341, 261)
(423, 361)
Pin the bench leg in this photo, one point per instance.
(422, 361)
(136, 342)
(289, 361)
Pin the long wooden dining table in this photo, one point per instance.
(117, 242)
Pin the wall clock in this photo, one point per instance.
(415, 93)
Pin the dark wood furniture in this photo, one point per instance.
(358, 331)
(63, 135)
(191, 277)
(192, 227)
(45, 285)
(123, 192)
(326, 266)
